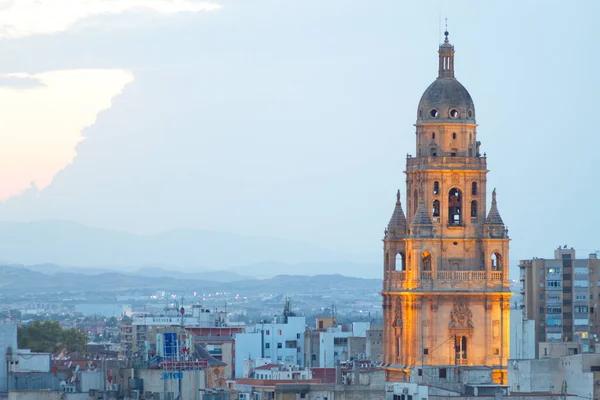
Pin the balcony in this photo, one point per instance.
(496, 275)
(460, 275)
(398, 275)
(446, 162)
(400, 280)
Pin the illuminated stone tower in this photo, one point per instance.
(446, 290)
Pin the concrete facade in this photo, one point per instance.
(281, 342)
(30, 362)
(522, 336)
(446, 292)
(8, 344)
(561, 296)
(576, 375)
(374, 345)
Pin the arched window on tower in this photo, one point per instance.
(433, 152)
(436, 187)
(432, 135)
(454, 207)
(436, 208)
(400, 263)
(496, 262)
(474, 208)
(426, 261)
(474, 188)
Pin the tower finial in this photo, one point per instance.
(398, 196)
(446, 31)
(446, 52)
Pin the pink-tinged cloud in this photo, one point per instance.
(43, 116)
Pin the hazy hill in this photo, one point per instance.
(20, 279)
(47, 244)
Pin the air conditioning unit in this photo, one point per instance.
(244, 396)
(405, 391)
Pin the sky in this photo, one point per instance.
(290, 119)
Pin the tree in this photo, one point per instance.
(74, 341)
(50, 337)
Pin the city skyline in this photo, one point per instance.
(290, 121)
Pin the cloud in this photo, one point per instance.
(19, 81)
(32, 17)
(41, 126)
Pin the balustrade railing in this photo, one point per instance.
(448, 275)
(496, 275)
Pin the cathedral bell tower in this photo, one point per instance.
(446, 290)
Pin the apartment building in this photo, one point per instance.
(561, 296)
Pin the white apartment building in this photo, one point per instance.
(280, 342)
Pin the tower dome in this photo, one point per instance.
(446, 99)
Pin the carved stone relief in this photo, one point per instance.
(461, 315)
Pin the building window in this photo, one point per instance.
(436, 208)
(553, 284)
(474, 188)
(420, 372)
(400, 262)
(454, 114)
(432, 135)
(279, 345)
(454, 135)
(460, 348)
(426, 261)
(580, 309)
(496, 262)
(279, 332)
(433, 112)
(268, 332)
(442, 373)
(267, 345)
(554, 310)
(454, 207)
(425, 351)
(436, 187)
(474, 208)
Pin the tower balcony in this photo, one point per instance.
(446, 162)
(401, 280)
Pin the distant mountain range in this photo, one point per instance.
(215, 256)
(21, 279)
